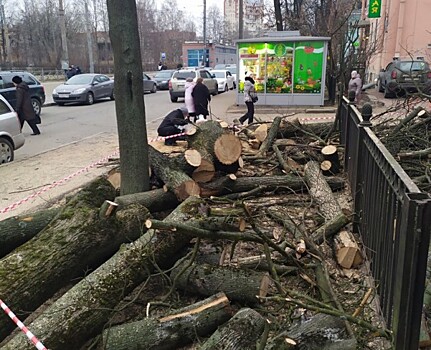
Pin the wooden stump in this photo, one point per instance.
(347, 250)
(227, 149)
(331, 163)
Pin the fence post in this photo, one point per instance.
(367, 112)
(414, 236)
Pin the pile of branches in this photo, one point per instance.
(231, 250)
(407, 135)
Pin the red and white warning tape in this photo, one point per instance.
(162, 138)
(55, 184)
(21, 326)
(317, 118)
(80, 171)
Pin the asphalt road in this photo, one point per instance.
(64, 125)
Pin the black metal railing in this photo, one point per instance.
(393, 218)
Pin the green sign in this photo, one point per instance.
(374, 8)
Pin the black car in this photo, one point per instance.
(162, 79)
(404, 76)
(8, 90)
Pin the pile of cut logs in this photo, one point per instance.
(241, 245)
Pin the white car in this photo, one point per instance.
(224, 78)
(11, 137)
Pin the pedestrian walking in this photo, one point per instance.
(355, 84)
(174, 123)
(201, 98)
(188, 98)
(24, 107)
(250, 98)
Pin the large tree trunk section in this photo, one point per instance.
(75, 241)
(321, 191)
(175, 180)
(17, 230)
(154, 200)
(203, 141)
(81, 313)
(227, 149)
(244, 286)
(173, 331)
(241, 332)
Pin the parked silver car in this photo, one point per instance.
(84, 88)
(178, 82)
(149, 84)
(11, 137)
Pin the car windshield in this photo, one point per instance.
(219, 74)
(413, 66)
(80, 80)
(184, 75)
(163, 75)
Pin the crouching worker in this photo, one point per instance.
(174, 123)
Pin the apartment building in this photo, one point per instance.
(403, 30)
(253, 16)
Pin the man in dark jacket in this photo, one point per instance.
(173, 124)
(24, 107)
(201, 97)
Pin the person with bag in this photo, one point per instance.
(24, 107)
(250, 98)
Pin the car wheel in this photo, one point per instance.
(174, 99)
(215, 91)
(112, 97)
(387, 93)
(154, 89)
(226, 89)
(37, 106)
(6, 151)
(90, 98)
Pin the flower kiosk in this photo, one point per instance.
(288, 70)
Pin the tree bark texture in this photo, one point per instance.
(17, 230)
(81, 313)
(75, 241)
(272, 134)
(241, 332)
(176, 180)
(204, 279)
(129, 96)
(171, 332)
(154, 200)
(321, 191)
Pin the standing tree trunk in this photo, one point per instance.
(278, 16)
(129, 95)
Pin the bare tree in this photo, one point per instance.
(214, 23)
(129, 105)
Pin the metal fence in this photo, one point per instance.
(393, 218)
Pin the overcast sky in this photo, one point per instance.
(196, 7)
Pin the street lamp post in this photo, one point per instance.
(65, 53)
(205, 33)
